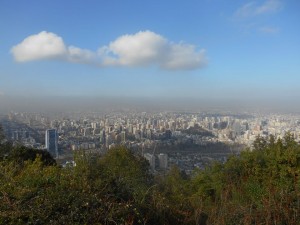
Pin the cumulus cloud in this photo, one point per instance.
(44, 45)
(148, 48)
(252, 9)
(144, 48)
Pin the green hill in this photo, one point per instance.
(257, 187)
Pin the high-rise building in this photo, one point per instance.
(102, 137)
(151, 160)
(123, 136)
(163, 161)
(51, 142)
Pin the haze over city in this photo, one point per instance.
(203, 52)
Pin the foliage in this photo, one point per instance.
(20, 154)
(2, 136)
(109, 190)
(260, 186)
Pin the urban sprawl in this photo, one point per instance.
(188, 140)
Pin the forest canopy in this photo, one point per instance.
(259, 186)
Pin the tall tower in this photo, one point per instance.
(123, 136)
(103, 137)
(51, 142)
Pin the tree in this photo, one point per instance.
(20, 154)
(127, 171)
(256, 187)
(2, 136)
(260, 143)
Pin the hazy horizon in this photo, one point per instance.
(96, 103)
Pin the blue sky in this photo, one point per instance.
(201, 49)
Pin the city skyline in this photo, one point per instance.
(240, 51)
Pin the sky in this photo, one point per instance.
(210, 49)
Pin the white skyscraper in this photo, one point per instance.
(51, 142)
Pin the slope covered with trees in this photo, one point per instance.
(257, 187)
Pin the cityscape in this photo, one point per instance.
(188, 140)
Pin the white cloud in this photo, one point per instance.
(252, 9)
(148, 48)
(139, 49)
(44, 45)
(144, 48)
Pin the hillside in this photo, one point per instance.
(258, 187)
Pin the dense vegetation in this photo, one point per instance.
(258, 187)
